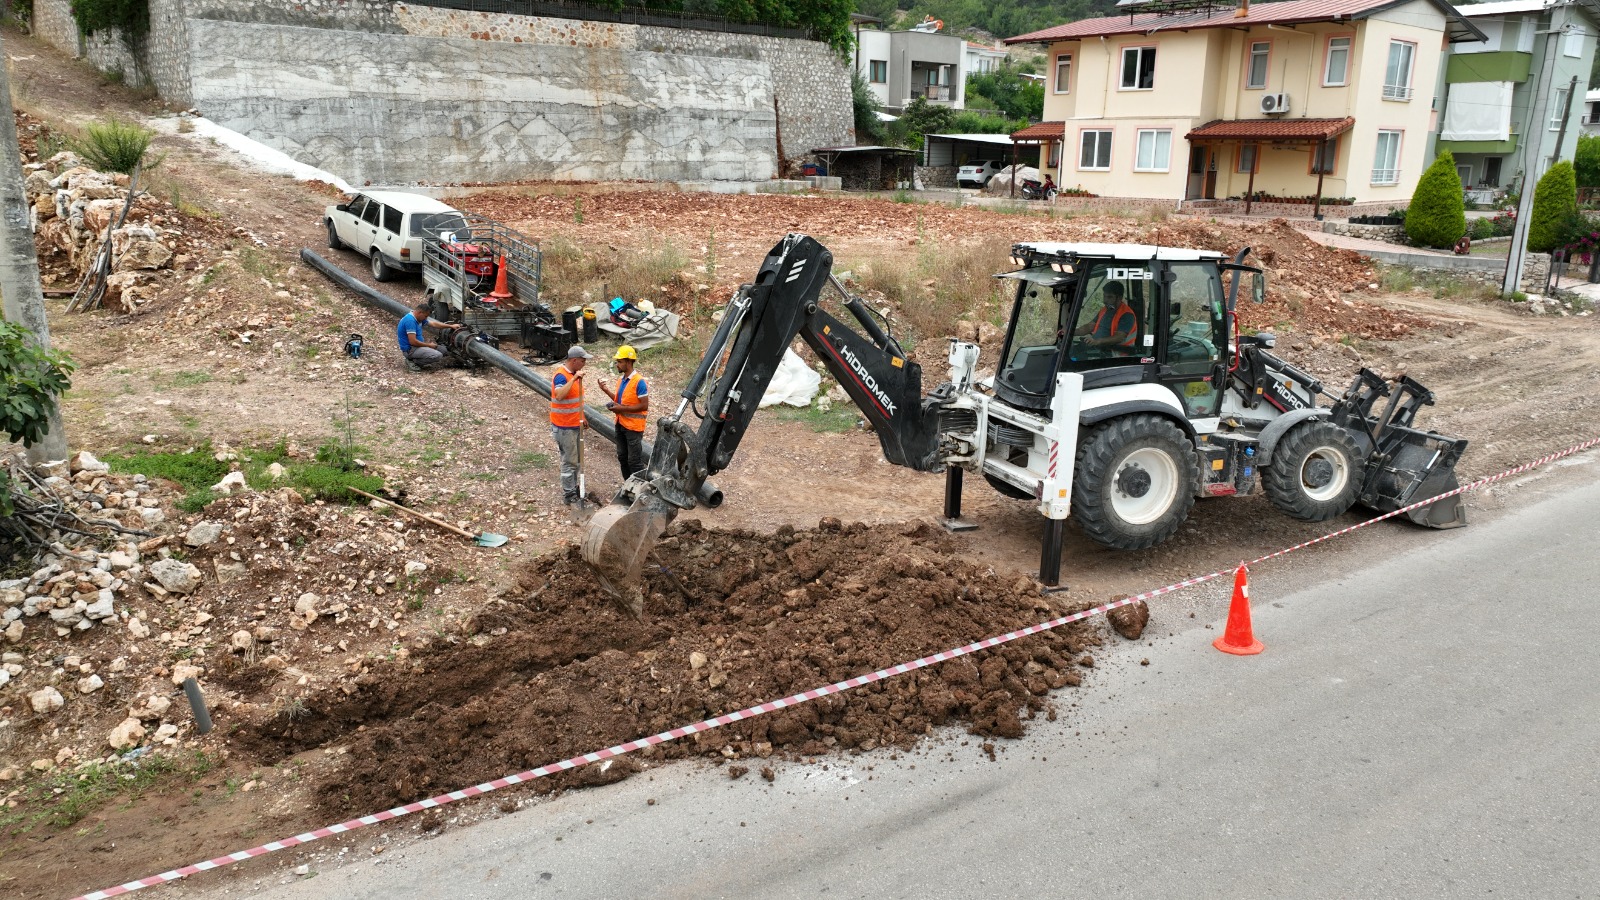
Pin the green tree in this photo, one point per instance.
(869, 129)
(1586, 162)
(31, 379)
(1008, 91)
(918, 119)
(1554, 202)
(1437, 214)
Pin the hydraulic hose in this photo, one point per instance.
(599, 418)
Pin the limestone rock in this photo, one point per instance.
(413, 569)
(175, 575)
(243, 641)
(183, 672)
(152, 515)
(90, 684)
(129, 734)
(84, 461)
(14, 632)
(203, 533)
(102, 607)
(277, 472)
(145, 255)
(46, 700)
(153, 708)
(137, 628)
(231, 482)
(306, 605)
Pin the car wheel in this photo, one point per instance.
(1134, 482)
(381, 270)
(333, 237)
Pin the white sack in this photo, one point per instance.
(794, 383)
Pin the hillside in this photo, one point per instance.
(1001, 18)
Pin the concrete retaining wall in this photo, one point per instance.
(435, 94)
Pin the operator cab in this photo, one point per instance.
(1120, 314)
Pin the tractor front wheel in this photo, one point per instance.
(1134, 483)
(1315, 473)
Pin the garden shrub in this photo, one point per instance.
(1554, 201)
(1437, 214)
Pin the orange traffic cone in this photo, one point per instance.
(1237, 638)
(502, 291)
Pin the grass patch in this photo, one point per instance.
(530, 459)
(190, 379)
(328, 477)
(941, 286)
(838, 418)
(62, 800)
(637, 274)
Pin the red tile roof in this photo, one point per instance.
(1040, 131)
(1286, 13)
(1270, 129)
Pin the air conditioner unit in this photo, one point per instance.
(1275, 104)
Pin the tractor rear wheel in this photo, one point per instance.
(1134, 483)
(1315, 473)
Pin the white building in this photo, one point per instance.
(900, 65)
(979, 58)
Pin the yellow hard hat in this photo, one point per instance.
(626, 352)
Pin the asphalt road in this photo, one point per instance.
(1428, 726)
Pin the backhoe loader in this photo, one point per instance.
(1124, 392)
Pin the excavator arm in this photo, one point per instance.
(758, 326)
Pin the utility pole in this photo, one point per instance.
(1517, 253)
(1566, 111)
(19, 261)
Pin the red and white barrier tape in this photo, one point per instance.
(773, 705)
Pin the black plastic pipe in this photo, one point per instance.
(599, 418)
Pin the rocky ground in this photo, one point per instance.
(352, 658)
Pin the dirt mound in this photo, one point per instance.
(1318, 288)
(733, 618)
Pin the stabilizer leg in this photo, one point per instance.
(952, 501)
(1050, 552)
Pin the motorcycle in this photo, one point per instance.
(1032, 189)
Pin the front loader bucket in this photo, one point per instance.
(1416, 466)
(616, 542)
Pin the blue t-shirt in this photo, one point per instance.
(408, 327)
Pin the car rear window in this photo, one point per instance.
(435, 225)
(391, 219)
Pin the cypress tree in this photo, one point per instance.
(1437, 214)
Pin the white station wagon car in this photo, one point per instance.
(389, 228)
(978, 172)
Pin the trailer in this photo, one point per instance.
(487, 275)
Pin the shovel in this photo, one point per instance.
(482, 539)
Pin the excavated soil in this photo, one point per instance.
(733, 618)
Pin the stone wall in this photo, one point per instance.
(476, 110)
(52, 21)
(1372, 232)
(937, 176)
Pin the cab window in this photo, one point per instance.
(1111, 326)
(1194, 318)
(1035, 343)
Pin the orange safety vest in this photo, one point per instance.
(1116, 319)
(567, 413)
(628, 395)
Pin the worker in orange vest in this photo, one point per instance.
(1117, 325)
(566, 418)
(630, 402)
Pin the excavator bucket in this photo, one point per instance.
(1404, 465)
(616, 543)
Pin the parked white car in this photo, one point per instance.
(978, 172)
(389, 228)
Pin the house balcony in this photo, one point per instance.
(1501, 65)
(1492, 148)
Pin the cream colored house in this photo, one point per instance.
(1270, 98)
